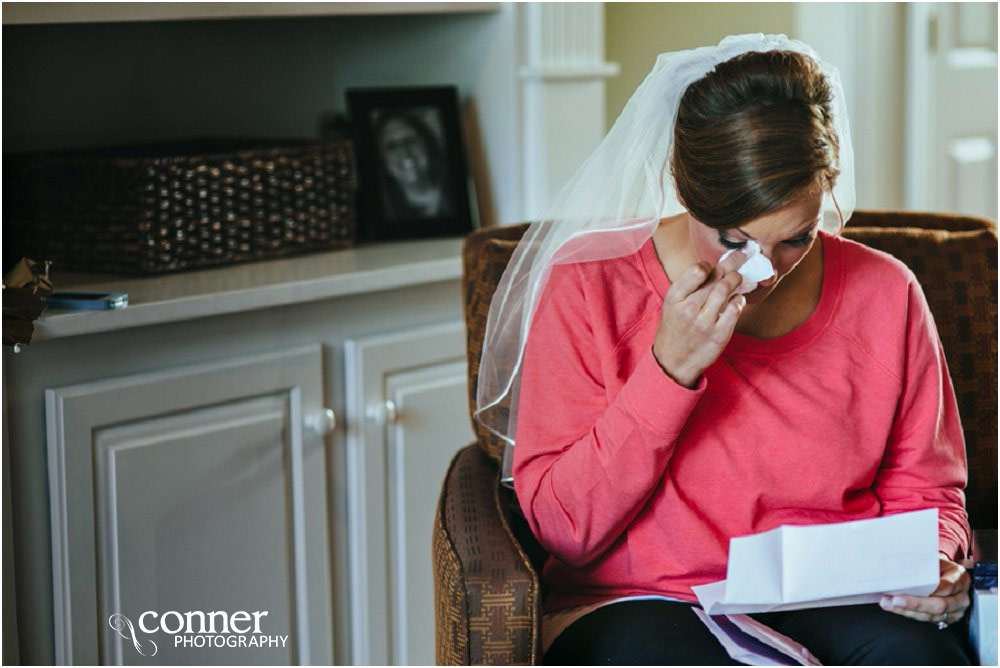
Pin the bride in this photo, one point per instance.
(663, 403)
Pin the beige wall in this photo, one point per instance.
(636, 32)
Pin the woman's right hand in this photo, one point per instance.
(699, 316)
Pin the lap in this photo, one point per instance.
(648, 632)
(853, 635)
(638, 633)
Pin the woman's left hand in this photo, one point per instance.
(946, 604)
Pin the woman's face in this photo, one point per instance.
(404, 152)
(785, 237)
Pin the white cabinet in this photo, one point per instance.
(177, 456)
(407, 409)
(193, 489)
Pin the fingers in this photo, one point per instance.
(719, 292)
(954, 579)
(733, 262)
(947, 604)
(947, 618)
(730, 265)
(689, 282)
(719, 296)
(928, 608)
(952, 617)
(727, 319)
(701, 275)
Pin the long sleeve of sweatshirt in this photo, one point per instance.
(585, 464)
(925, 463)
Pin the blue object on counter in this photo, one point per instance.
(87, 301)
(984, 575)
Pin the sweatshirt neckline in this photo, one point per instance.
(818, 320)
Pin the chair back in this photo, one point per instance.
(955, 260)
(485, 254)
(953, 257)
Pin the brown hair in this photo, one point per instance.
(753, 136)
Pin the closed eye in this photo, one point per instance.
(799, 241)
(730, 244)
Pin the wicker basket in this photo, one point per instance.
(181, 205)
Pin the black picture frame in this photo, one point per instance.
(413, 177)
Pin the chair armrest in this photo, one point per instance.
(487, 602)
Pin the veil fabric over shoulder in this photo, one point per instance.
(613, 204)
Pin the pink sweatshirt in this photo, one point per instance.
(635, 484)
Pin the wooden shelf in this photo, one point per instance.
(44, 13)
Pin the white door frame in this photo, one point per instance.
(863, 40)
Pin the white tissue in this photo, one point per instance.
(757, 268)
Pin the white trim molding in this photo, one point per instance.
(864, 41)
(563, 86)
(921, 25)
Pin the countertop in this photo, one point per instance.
(280, 282)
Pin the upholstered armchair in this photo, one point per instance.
(487, 563)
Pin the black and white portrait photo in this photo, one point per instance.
(412, 163)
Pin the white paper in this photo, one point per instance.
(757, 267)
(779, 641)
(812, 566)
(733, 648)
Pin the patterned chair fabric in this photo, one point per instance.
(487, 562)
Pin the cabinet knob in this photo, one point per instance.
(322, 423)
(384, 413)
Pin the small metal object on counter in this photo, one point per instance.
(25, 287)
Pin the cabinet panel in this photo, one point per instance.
(432, 422)
(195, 489)
(406, 414)
(191, 509)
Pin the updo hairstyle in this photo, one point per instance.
(753, 136)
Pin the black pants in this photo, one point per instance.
(655, 632)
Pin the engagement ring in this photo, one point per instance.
(942, 625)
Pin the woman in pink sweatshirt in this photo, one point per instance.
(662, 413)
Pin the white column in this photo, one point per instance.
(563, 89)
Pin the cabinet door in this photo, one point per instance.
(198, 490)
(407, 415)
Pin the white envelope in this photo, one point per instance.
(820, 565)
